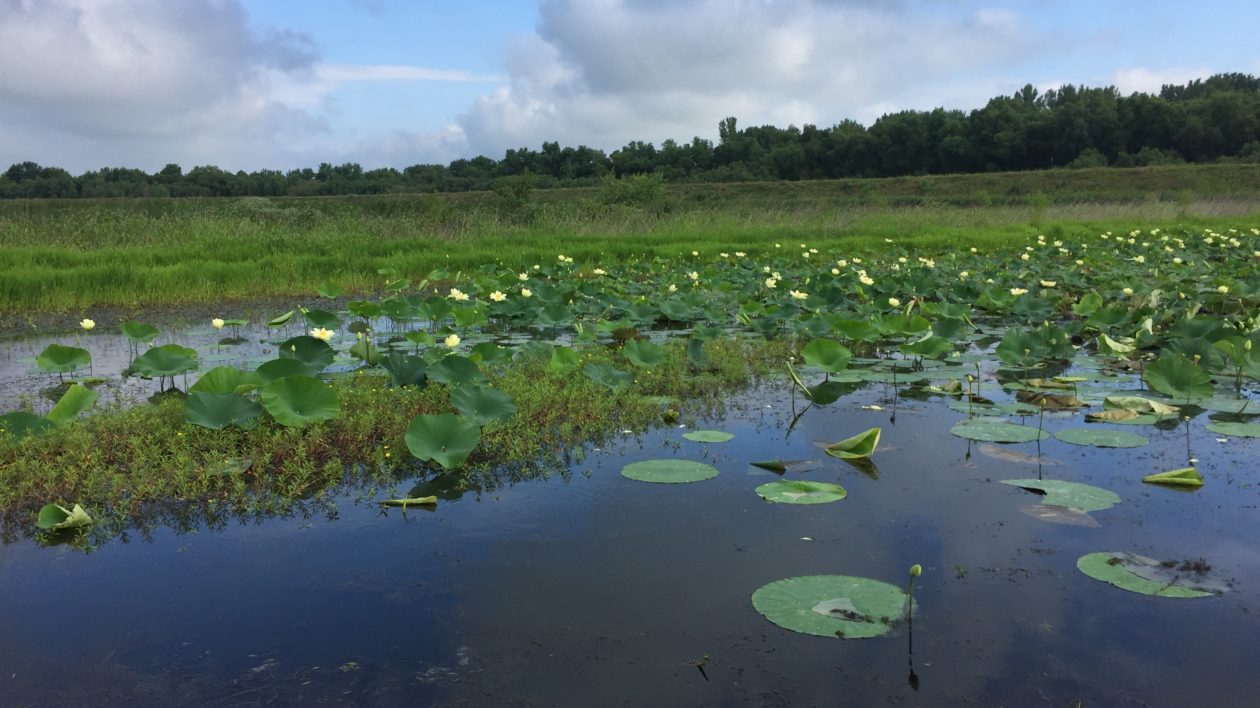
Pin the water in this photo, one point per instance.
(592, 589)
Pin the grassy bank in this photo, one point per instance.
(67, 256)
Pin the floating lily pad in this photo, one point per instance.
(801, 492)
(1066, 515)
(784, 466)
(708, 436)
(1138, 404)
(1101, 437)
(1071, 494)
(858, 447)
(1135, 573)
(1184, 477)
(997, 431)
(832, 605)
(1238, 430)
(1224, 404)
(415, 501)
(669, 471)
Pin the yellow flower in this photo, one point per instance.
(322, 334)
(87, 324)
(1023, 256)
(963, 275)
(724, 254)
(457, 295)
(217, 323)
(693, 275)
(894, 302)
(673, 288)
(835, 271)
(1222, 289)
(842, 263)
(1127, 291)
(600, 271)
(771, 282)
(1139, 259)
(866, 279)
(498, 296)
(1048, 283)
(798, 295)
(740, 254)
(451, 341)
(526, 292)
(1018, 291)
(522, 276)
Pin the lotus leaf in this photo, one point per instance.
(54, 517)
(708, 436)
(829, 355)
(219, 410)
(139, 332)
(282, 319)
(226, 379)
(77, 399)
(483, 404)
(1238, 430)
(404, 369)
(1140, 574)
(997, 431)
(1100, 437)
(801, 492)
(608, 377)
(315, 353)
(456, 370)
(1184, 477)
(643, 353)
(832, 605)
(19, 424)
(445, 438)
(1178, 377)
(669, 471)
(58, 359)
(320, 318)
(298, 401)
(858, 447)
(166, 360)
(280, 369)
(1070, 494)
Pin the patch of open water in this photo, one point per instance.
(593, 589)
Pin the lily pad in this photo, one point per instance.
(1140, 574)
(139, 332)
(315, 353)
(54, 517)
(1100, 438)
(482, 404)
(858, 447)
(166, 360)
(997, 431)
(298, 401)
(19, 424)
(1138, 404)
(1238, 430)
(832, 605)
(1071, 494)
(219, 410)
(801, 492)
(1184, 477)
(77, 399)
(59, 359)
(708, 436)
(446, 439)
(669, 471)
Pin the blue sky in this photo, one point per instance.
(249, 84)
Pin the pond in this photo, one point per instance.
(589, 588)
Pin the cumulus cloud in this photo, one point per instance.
(1146, 80)
(606, 71)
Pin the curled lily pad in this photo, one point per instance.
(858, 447)
(1140, 574)
(1238, 430)
(77, 399)
(54, 517)
(669, 471)
(1071, 494)
(997, 431)
(832, 605)
(708, 436)
(414, 501)
(1184, 477)
(1101, 438)
(784, 466)
(1138, 404)
(801, 492)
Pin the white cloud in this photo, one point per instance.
(603, 72)
(1146, 80)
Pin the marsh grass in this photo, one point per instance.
(65, 256)
(142, 462)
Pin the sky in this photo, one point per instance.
(283, 84)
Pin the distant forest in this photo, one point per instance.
(1210, 120)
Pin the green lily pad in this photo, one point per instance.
(832, 605)
(219, 410)
(1238, 430)
(139, 332)
(54, 517)
(801, 492)
(827, 354)
(226, 379)
(19, 424)
(59, 359)
(298, 401)
(858, 447)
(1184, 477)
(276, 369)
(1100, 437)
(166, 360)
(446, 439)
(482, 404)
(1135, 573)
(997, 431)
(642, 353)
(1070, 494)
(456, 370)
(1138, 404)
(708, 436)
(669, 471)
(314, 353)
(1224, 404)
(77, 399)
(282, 319)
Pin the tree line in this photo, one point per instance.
(1205, 120)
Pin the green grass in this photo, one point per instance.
(69, 256)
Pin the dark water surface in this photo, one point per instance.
(590, 589)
